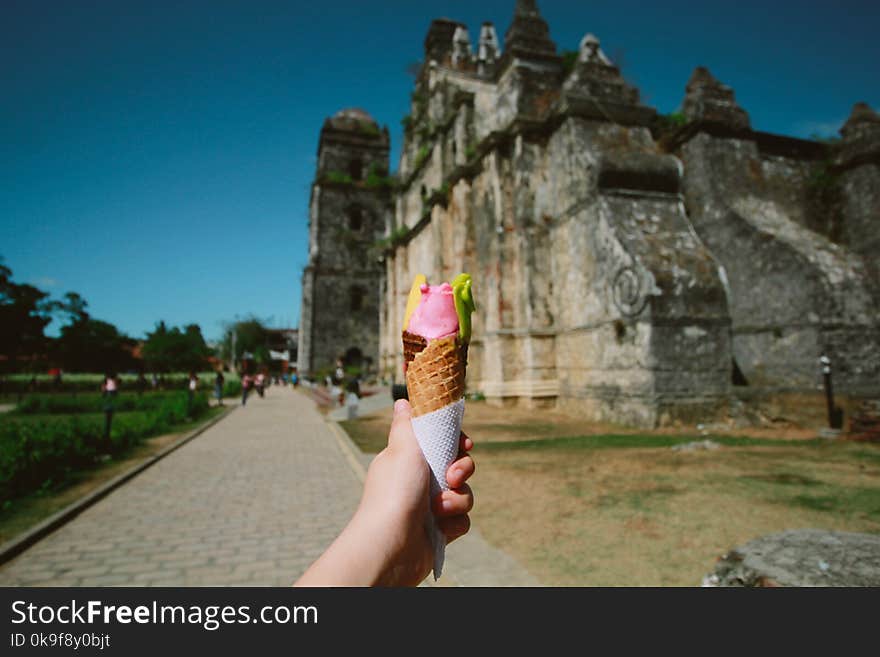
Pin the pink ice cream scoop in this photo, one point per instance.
(435, 316)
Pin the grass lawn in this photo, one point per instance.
(23, 513)
(587, 505)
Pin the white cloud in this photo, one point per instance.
(45, 281)
(820, 128)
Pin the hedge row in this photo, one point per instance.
(38, 452)
(18, 385)
(90, 403)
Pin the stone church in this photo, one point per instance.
(627, 266)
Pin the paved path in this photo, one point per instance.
(379, 398)
(251, 501)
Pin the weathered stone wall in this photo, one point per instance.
(794, 294)
(857, 167)
(861, 209)
(639, 303)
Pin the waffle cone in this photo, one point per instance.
(435, 376)
(412, 344)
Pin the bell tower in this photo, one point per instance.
(349, 207)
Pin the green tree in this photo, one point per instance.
(90, 345)
(73, 307)
(175, 349)
(25, 311)
(248, 335)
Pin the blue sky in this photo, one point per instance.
(156, 157)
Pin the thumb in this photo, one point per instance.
(401, 425)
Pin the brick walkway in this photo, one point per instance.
(252, 501)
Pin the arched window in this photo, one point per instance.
(356, 169)
(355, 219)
(356, 298)
(354, 357)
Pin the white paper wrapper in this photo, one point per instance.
(438, 434)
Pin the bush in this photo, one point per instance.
(369, 128)
(339, 178)
(18, 384)
(90, 403)
(232, 388)
(39, 451)
(398, 236)
(665, 125)
(377, 181)
(421, 156)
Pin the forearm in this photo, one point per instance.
(355, 558)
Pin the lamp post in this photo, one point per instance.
(232, 354)
(835, 415)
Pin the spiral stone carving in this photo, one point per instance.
(628, 292)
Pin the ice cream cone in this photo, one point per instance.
(435, 384)
(412, 344)
(436, 333)
(435, 376)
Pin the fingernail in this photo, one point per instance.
(446, 505)
(399, 405)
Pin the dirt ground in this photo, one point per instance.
(582, 504)
(488, 424)
(655, 517)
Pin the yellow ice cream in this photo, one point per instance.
(415, 295)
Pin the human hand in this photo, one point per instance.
(386, 542)
(395, 501)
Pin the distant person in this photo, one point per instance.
(261, 382)
(354, 386)
(57, 380)
(219, 381)
(191, 386)
(109, 390)
(352, 397)
(245, 388)
(141, 384)
(338, 392)
(110, 385)
(32, 386)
